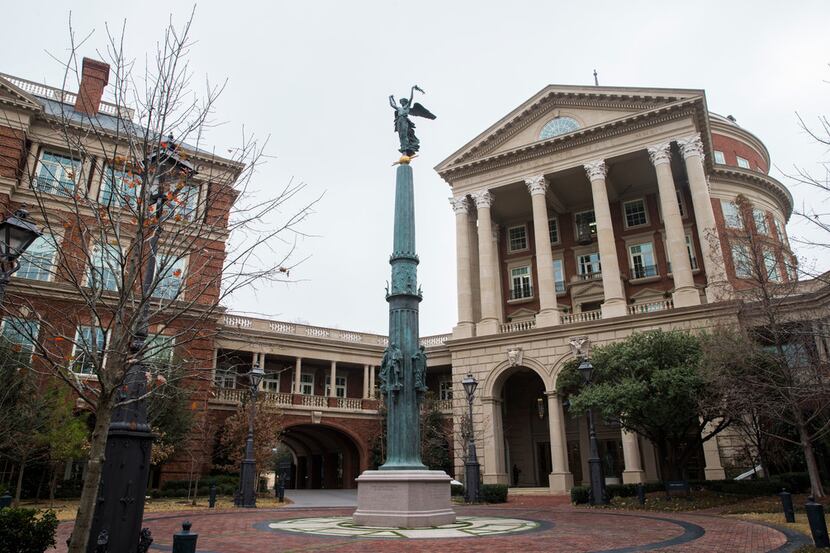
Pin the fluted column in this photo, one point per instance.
(372, 382)
(685, 293)
(466, 325)
(498, 270)
(298, 371)
(718, 287)
(494, 471)
(489, 323)
(365, 381)
(548, 314)
(633, 473)
(614, 304)
(561, 480)
(333, 380)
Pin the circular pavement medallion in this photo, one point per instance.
(464, 527)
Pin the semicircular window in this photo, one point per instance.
(557, 126)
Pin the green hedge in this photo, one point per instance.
(580, 495)
(27, 530)
(494, 493)
(226, 484)
(456, 489)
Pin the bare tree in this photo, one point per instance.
(146, 232)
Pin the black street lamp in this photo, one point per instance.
(246, 497)
(17, 233)
(472, 469)
(581, 347)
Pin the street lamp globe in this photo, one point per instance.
(256, 375)
(17, 233)
(470, 384)
(586, 369)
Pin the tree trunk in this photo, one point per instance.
(812, 467)
(53, 485)
(19, 486)
(89, 491)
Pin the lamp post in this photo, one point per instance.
(17, 233)
(472, 469)
(581, 347)
(247, 480)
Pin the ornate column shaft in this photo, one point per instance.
(372, 382)
(718, 287)
(548, 314)
(561, 480)
(614, 304)
(494, 469)
(298, 372)
(497, 275)
(475, 271)
(685, 293)
(466, 325)
(633, 473)
(365, 381)
(333, 380)
(489, 323)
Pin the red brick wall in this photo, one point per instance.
(732, 148)
(12, 152)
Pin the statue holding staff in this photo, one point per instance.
(404, 126)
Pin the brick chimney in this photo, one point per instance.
(94, 77)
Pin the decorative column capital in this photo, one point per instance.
(691, 146)
(596, 170)
(460, 205)
(482, 198)
(536, 185)
(660, 153)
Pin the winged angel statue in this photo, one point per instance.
(403, 126)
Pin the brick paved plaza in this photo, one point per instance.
(561, 527)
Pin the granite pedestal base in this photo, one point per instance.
(403, 499)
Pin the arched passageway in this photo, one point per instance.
(526, 429)
(325, 457)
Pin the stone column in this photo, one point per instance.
(497, 275)
(489, 323)
(718, 287)
(614, 304)
(711, 456)
(685, 293)
(475, 271)
(466, 325)
(372, 382)
(298, 370)
(633, 473)
(333, 380)
(494, 471)
(561, 480)
(365, 381)
(548, 314)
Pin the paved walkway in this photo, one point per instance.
(321, 498)
(561, 528)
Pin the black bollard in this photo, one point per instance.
(818, 526)
(641, 493)
(212, 498)
(5, 500)
(787, 505)
(185, 541)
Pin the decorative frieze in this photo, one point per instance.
(660, 153)
(482, 198)
(691, 146)
(536, 185)
(596, 170)
(460, 205)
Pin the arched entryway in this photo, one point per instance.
(526, 429)
(325, 457)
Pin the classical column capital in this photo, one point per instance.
(596, 170)
(482, 198)
(460, 205)
(691, 146)
(660, 153)
(536, 185)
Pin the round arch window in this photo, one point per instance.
(557, 126)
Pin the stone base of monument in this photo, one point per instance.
(404, 499)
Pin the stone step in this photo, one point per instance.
(529, 491)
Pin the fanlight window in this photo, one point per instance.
(557, 126)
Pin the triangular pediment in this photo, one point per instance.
(11, 94)
(586, 107)
(586, 290)
(522, 314)
(648, 295)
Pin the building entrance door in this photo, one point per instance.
(543, 462)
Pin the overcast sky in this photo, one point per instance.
(315, 76)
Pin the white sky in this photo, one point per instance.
(316, 76)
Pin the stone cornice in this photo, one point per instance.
(763, 180)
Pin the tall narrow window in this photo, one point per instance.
(771, 265)
(38, 262)
(731, 214)
(782, 234)
(559, 276)
(586, 226)
(118, 188)
(90, 343)
(170, 277)
(517, 238)
(106, 267)
(681, 204)
(719, 158)
(742, 261)
(642, 260)
(339, 386)
(307, 384)
(520, 286)
(760, 218)
(589, 265)
(445, 389)
(57, 174)
(553, 228)
(635, 213)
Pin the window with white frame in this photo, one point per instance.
(118, 187)
(635, 213)
(731, 214)
(589, 264)
(719, 157)
(743, 163)
(225, 378)
(339, 386)
(38, 261)
(779, 229)
(517, 238)
(271, 382)
(307, 384)
(642, 260)
(105, 269)
(553, 230)
(586, 225)
(57, 174)
(89, 347)
(20, 334)
(771, 265)
(520, 283)
(170, 276)
(742, 261)
(445, 389)
(760, 218)
(559, 276)
(184, 204)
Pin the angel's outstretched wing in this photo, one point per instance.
(420, 111)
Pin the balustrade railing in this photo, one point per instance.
(444, 405)
(315, 401)
(650, 307)
(349, 403)
(582, 317)
(517, 326)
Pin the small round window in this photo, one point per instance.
(557, 126)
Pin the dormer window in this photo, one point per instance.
(557, 126)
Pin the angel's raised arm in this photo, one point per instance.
(392, 101)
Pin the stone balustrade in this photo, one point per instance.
(585, 316)
(518, 326)
(650, 307)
